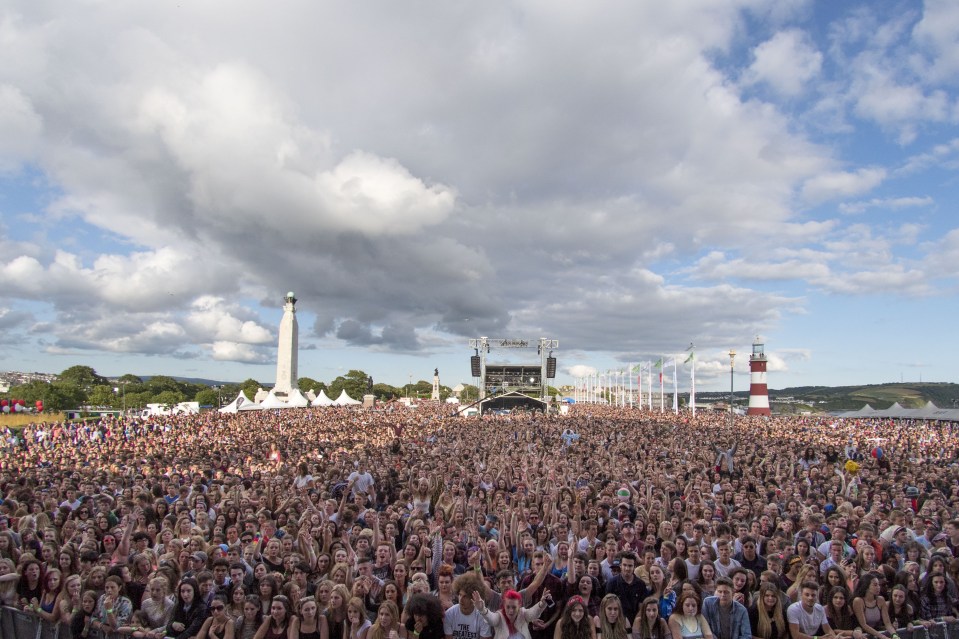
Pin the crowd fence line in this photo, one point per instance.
(17, 624)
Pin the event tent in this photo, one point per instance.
(272, 401)
(930, 411)
(322, 400)
(346, 400)
(296, 399)
(240, 401)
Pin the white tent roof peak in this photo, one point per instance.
(322, 400)
(272, 401)
(296, 399)
(346, 400)
(237, 404)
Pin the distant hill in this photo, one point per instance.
(192, 380)
(879, 396)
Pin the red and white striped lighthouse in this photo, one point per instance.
(758, 391)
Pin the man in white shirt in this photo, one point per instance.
(361, 480)
(806, 617)
(725, 564)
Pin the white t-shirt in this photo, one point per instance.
(460, 626)
(723, 570)
(808, 623)
(363, 483)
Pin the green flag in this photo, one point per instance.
(659, 363)
(691, 357)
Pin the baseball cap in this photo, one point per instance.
(199, 556)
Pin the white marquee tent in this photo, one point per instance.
(296, 399)
(346, 400)
(322, 400)
(237, 404)
(272, 401)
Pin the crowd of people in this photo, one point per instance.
(400, 523)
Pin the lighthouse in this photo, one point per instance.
(287, 352)
(758, 391)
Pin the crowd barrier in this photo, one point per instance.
(16, 624)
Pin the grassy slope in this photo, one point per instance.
(879, 396)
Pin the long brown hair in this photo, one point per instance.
(617, 630)
(766, 619)
(571, 629)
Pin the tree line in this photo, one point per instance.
(80, 386)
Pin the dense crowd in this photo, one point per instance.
(344, 523)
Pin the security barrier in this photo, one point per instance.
(16, 624)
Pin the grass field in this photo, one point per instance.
(17, 421)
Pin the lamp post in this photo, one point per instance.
(732, 357)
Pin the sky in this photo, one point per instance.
(627, 178)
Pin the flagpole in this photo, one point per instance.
(649, 384)
(692, 386)
(675, 390)
(662, 388)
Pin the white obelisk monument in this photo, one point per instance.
(436, 384)
(286, 375)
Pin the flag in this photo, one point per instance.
(692, 356)
(638, 368)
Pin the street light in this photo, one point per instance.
(732, 357)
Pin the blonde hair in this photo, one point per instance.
(347, 575)
(378, 631)
(614, 631)
(764, 624)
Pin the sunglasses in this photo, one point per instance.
(221, 607)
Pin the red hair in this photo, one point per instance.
(511, 594)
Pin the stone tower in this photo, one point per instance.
(286, 373)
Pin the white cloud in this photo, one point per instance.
(717, 266)
(786, 62)
(891, 203)
(581, 370)
(938, 31)
(141, 281)
(211, 319)
(377, 196)
(942, 259)
(826, 186)
(233, 352)
(20, 128)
